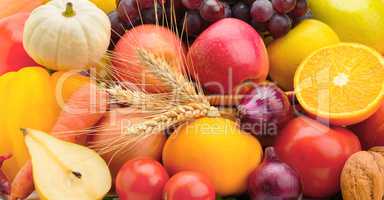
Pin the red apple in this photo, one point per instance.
(12, 53)
(157, 40)
(371, 131)
(317, 153)
(226, 54)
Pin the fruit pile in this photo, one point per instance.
(192, 99)
(273, 18)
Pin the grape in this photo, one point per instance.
(144, 4)
(300, 9)
(149, 15)
(307, 15)
(128, 11)
(284, 6)
(249, 2)
(279, 25)
(230, 2)
(193, 23)
(261, 10)
(117, 27)
(227, 9)
(191, 4)
(212, 10)
(260, 27)
(241, 11)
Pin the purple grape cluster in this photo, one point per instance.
(268, 17)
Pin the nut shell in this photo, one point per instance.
(362, 177)
(378, 149)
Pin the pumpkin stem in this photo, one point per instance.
(69, 12)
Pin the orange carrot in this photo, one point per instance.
(82, 111)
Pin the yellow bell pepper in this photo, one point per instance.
(28, 99)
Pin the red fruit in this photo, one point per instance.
(188, 185)
(141, 179)
(371, 131)
(317, 153)
(157, 40)
(223, 56)
(12, 54)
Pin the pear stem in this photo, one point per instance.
(69, 12)
(77, 174)
(24, 131)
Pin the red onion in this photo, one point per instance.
(4, 183)
(264, 110)
(274, 179)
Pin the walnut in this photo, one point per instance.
(378, 149)
(362, 177)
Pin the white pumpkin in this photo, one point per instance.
(67, 34)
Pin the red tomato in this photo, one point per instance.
(317, 153)
(12, 53)
(188, 185)
(141, 179)
(371, 131)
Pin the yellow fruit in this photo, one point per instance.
(63, 170)
(286, 53)
(216, 148)
(106, 5)
(359, 21)
(342, 83)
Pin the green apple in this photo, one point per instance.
(359, 21)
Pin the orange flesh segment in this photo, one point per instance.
(340, 80)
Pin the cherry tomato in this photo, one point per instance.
(188, 185)
(141, 179)
(12, 53)
(317, 153)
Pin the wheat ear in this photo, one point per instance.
(182, 105)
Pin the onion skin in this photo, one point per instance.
(274, 179)
(5, 186)
(264, 110)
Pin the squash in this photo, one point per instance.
(27, 99)
(11, 7)
(67, 34)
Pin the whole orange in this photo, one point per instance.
(216, 148)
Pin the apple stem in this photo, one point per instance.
(69, 12)
(77, 174)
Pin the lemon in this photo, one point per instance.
(286, 53)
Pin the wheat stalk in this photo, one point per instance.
(183, 104)
(179, 114)
(180, 85)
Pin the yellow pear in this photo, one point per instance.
(63, 170)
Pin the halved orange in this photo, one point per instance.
(342, 83)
